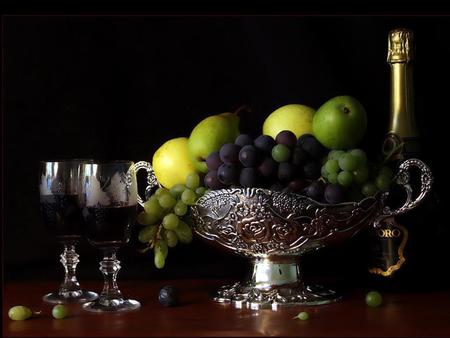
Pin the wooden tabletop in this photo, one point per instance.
(407, 314)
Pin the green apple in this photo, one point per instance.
(171, 162)
(294, 117)
(209, 135)
(340, 123)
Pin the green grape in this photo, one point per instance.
(147, 234)
(361, 174)
(281, 153)
(324, 172)
(348, 162)
(152, 207)
(383, 182)
(60, 311)
(374, 299)
(159, 259)
(170, 221)
(207, 191)
(369, 189)
(200, 191)
(147, 219)
(161, 191)
(167, 201)
(171, 238)
(177, 190)
(161, 246)
(332, 178)
(345, 178)
(332, 166)
(303, 315)
(360, 155)
(180, 208)
(386, 171)
(192, 181)
(335, 154)
(183, 232)
(19, 312)
(188, 197)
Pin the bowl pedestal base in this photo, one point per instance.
(274, 283)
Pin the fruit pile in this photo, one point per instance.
(300, 150)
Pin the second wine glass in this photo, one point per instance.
(108, 198)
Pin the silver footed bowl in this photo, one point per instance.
(273, 229)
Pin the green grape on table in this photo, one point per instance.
(360, 155)
(19, 312)
(193, 181)
(147, 234)
(159, 259)
(335, 154)
(324, 172)
(188, 197)
(361, 174)
(60, 311)
(348, 162)
(167, 201)
(345, 178)
(180, 208)
(374, 299)
(302, 316)
(161, 191)
(177, 190)
(161, 246)
(332, 178)
(200, 191)
(184, 232)
(171, 238)
(383, 182)
(170, 221)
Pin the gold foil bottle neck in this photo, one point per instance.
(400, 45)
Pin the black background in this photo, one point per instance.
(119, 86)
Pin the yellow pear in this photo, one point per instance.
(294, 117)
(171, 162)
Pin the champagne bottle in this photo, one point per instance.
(389, 244)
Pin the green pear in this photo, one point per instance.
(209, 135)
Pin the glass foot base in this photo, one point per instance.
(115, 305)
(73, 297)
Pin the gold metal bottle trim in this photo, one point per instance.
(400, 45)
(400, 53)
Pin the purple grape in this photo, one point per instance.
(229, 153)
(297, 185)
(315, 190)
(312, 170)
(334, 194)
(249, 156)
(213, 161)
(287, 138)
(268, 167)
(302, 139)
(286, 172)
(265, 143)
(248, 178)
(228, 174)
(300, 157)
(313, 147)
(212, 181)
(243, 140)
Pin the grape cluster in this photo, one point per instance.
(162, 215)
(282, 164)
(351, 176)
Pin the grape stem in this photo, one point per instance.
(245, 107)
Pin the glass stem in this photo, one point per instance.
(110, 267)
(69, 259)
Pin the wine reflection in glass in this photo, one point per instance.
(62, 216)
(108, 198)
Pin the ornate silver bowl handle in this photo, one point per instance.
(402, 178)
(151, 180)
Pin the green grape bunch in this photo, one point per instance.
(352, 171)
(162, 218)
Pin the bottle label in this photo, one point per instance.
(388, 247)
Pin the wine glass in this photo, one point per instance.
(62, 216)
(108, 198)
